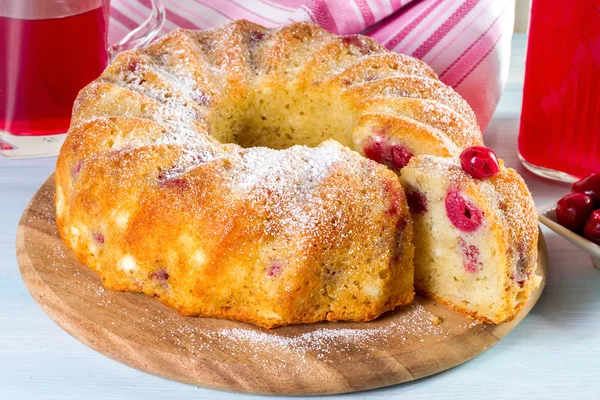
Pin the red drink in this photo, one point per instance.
(560, 120)
(43, 65)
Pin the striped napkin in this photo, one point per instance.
(467, 42)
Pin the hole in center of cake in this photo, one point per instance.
(282, 118)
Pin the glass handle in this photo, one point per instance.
(143, 34)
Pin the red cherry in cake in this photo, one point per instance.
(98, 237)
(374, 149)
(573, 210)
(417, 202)
(361, 44)
(480, 162)
(275, 269)
(133, 66)
(394, 206)
(170, 178)
(470, 254)
(589, 185)
(76, 168)
(160, 275)
(256, 36)
(462, 213)
(394, 155)
(591, 231)
(177, 183)
(521, 273)
(400, 156)
(352, 40)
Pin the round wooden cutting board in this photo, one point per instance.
(407, 344)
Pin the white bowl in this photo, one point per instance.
(547, 216)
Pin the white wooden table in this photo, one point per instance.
(554, 353)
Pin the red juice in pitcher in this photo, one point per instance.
(560, 121)
(44, 62)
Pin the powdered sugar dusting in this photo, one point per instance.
(301, 166)
(326, 344)
(289, 183)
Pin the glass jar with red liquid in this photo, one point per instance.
(51, 49)
(560, 120)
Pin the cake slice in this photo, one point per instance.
(475, 240)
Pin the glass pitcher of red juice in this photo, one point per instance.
(560, 121)
(51, 49)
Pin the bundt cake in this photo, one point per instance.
(475, 240)
(222, 172)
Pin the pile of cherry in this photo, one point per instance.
(579, 211)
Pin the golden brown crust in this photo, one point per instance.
(382, 65)
(291, 43)
(415, 87)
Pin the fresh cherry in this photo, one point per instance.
(591, 231)
(589, 185)
(573, 210)
(480, 162)
(462, 213)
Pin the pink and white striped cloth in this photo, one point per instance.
(467, 42)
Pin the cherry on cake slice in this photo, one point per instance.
(475, 239)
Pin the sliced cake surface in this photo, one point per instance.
(475, 240)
